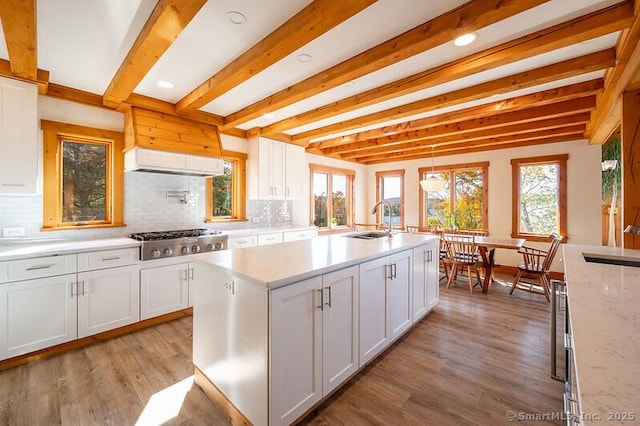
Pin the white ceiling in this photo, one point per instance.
(82, 44)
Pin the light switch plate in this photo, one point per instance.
(17, 231)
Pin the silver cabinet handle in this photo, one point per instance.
(186, 275)
(36, 267)
(329, 303)
(72, 284)
(105, 259)
(191, 273)
(555, 284)
(321, 306)
(82, 287)
(390, 276)
(394, 271)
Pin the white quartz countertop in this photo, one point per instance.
(604, 303)
(281, 264)
(11, 250)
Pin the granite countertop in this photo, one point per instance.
(604, 303)
(20, 249)
(281, 264)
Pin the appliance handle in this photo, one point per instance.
(555, 285)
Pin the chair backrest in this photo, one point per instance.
(367, 226)
(412, 229)
(476, 232)
(461, 247)
(553, 248)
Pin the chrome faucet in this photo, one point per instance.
(388, 206)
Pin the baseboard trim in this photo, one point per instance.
(233, 415)
(86, 341)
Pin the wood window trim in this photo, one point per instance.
(561, 160)
(52, 134)
(351, 174)
(483, 165)
(239, 196)
(390, 173)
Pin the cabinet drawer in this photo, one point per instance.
(246, 241)
(108, 258)
(300, 235)
(18, 270)
(265, 239)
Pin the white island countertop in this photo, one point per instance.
(604, 303)
(20, 249)
(281, 264)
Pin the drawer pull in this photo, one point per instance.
(105, 259)
(36, 267)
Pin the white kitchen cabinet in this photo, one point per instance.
(18, 137)
(271, 238)
(37, 313)
(314, 341)
(425, 288)
(276, 170)
(164, 289)
(108, 299)
(242, 241)
(385, 302)
(302, 234)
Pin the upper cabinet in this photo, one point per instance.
(276, 170)
(18, 137)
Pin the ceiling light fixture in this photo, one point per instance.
(432, 183)
(303, 57)
(465, 39)
(165, 84)
(350, 83)
(236, 17)
(268, 115)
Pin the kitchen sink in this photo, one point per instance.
(367, 235)
(611, 259)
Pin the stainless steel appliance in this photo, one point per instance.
(560, 310)
(165, 244)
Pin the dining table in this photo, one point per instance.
(487, 246)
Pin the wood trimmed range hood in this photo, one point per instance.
(150, 130)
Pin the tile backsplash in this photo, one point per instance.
(146, 208)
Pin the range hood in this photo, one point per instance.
(156, 161)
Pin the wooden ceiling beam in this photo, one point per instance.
(569, 68)
(546, 97)
(484, 133)
(442, 29)
(527, 139)
(42, 76)
(311, 22)
(166, 22)
(606, 117)
(565, 34)
(19, 26)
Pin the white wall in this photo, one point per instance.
(583, 198)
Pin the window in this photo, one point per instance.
(331, 196)
(226, 194)
(83, 177)
(539, 197)
(390, 188)
(462, 203)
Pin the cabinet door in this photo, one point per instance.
(432, 272)
(164, 289)
(425, 258)
(299, 235)
(399, 294)
(339, 327)
(374, 333)
(296, 350)
(295, 167)
(108, 299)
(239, 242)
(266, 239)
(277, 169)
(36, 314)
(18, 137)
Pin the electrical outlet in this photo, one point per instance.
(255, 219)
(230, 286)
(16, 231)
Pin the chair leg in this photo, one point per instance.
(452, 274)
(470, 281)
(545, 287)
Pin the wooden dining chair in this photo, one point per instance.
(462, 253)
(367, 226)
(535, 266)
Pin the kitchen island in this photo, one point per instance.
(604, 303)
(278, 328)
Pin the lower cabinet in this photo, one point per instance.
(385, 302)
(314, 341)
(36, 314)
(426, 288)
(164, 289)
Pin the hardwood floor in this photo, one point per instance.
(474, 358)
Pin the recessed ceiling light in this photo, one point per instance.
(350, 83)
(303, 57)
(236, 17)
(465, 39)
(268, 115)
(165, 84)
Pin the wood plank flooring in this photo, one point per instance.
(474, 358)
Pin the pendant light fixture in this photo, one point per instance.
(432, 183)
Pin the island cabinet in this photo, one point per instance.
(426, 289)
(385, 302)
(314, 341)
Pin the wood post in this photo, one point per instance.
(631, 165)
